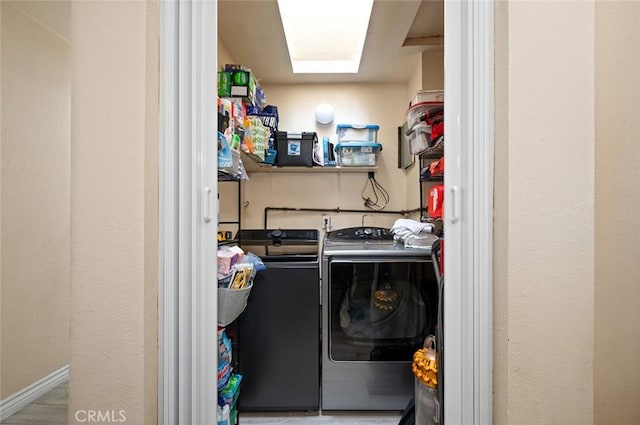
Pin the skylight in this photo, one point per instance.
(325, 36)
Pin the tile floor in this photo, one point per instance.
(51, 409)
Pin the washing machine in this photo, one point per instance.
(379, 302)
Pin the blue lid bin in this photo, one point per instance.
(357, 132)
(358, 154)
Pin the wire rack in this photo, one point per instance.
(435, 151)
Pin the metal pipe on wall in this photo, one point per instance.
(333, 210)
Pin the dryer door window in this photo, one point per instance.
(380, 310)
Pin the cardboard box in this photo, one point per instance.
(243, 84)
(224, 84)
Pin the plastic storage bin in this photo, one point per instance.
(358, 154)
(357, 132)
(425, 112)
(428, 96)
(419, 138)
(425, 122)
(295, 149)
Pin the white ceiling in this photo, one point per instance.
(252, 33)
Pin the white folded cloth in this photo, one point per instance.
(405, 227)
(422, 240)
(413, 233)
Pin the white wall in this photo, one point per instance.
(544, 275)
(114, 210)
(228, 191)
(433, 68)
(617, 170)
(151, 213)
(382, 104)
(352, 102)
(501, 217)
(413, 173)
(428, 75)
(35, 196)
(545, 271)
(223, 56)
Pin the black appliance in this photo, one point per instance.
(379, 302)
(279, 331)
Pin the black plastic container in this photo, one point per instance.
(295, 149)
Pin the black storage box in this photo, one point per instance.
(295, 149)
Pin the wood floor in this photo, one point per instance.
(51, 409)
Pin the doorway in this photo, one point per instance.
(468, 213)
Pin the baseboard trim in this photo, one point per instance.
(24, 397)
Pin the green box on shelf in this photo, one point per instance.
(243, 84)
(224, 84)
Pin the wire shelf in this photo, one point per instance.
(435, 151)
(435, 179)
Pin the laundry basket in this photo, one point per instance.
(231, 303)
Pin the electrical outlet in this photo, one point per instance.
(326, 222)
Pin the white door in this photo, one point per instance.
(188, 349)
(468, 75)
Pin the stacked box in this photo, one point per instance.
(224, 84)
(426, 128)
(237, 81)
(243, 84)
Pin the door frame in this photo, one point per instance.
(468, 251)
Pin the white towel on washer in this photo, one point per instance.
(422, 240)
(405, 227)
